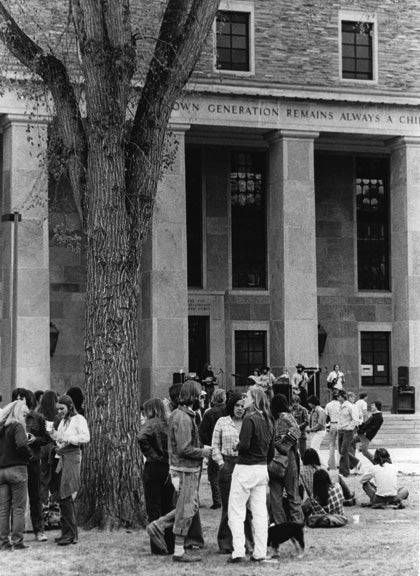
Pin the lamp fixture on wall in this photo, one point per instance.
(53, 338)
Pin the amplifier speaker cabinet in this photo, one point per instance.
(285, 389)
(403, 400)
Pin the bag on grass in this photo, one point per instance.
(326, 521)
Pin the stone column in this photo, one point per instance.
(292, 250)
(164, 291)
(405, 257)
(25, 190)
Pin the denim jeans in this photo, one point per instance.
(13, 493)
(345, 438)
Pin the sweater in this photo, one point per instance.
(14, 450)
(256, 440)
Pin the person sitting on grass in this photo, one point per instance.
(381, 483)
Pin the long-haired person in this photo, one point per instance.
(250, 476)
(158, 488)
(381, 482)
(327, 497)
(225, 453)
(284, 468)
(72, 432)
(186, 457)
(14, 458)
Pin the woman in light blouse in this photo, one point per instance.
(224, 452)
(72, 432)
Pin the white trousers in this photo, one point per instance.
(249, 482)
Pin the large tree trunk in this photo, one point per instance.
(111, 471)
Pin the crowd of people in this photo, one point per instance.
(41, 436)
(264, 466)
(262, 452)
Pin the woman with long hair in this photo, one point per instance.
(14, 458)
(71, 434)
(224, 443)
(284, 468)
(158, 488)
(327, 497)
(250, 477)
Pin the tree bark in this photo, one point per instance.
(114, 182)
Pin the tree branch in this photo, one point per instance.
(55, 76)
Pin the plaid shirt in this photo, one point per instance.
(225, 439)
(335, 502)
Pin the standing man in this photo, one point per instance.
(347, 422)
(218, 409)
(185, 460)
(365, 433)
(332, 410)
(301, 415)
(362, 406)
(300, 384)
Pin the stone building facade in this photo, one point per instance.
(292, 206)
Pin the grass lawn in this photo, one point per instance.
(384, 543)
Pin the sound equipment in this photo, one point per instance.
(285, 389)
(403, 376)
(178, 378)
(403, 400)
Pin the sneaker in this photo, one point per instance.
(157, 536)
(236, 560)
(186, 557)
(253, 559)
(41, 537)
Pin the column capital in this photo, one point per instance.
(7, 120)
(403, 142)
(173, 127)
(275, 135)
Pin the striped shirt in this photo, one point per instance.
(225, 439)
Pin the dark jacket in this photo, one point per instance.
(35, 424)
(256, 440)
(14, 450)
(153, 440)
(371, 426)
(209, 422)
(185, 449)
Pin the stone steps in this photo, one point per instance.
(397, 431)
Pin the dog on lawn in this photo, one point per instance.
(279, 533)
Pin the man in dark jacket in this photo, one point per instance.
(205, 430)
(365, 433)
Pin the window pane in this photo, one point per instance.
(375, 347)
(356, 48)
(233, 41)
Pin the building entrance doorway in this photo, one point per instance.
(198, 343)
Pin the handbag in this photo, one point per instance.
(278, 466)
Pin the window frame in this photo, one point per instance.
(247, 8)
(369, 18)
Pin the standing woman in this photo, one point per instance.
(284, 468)
(250, 477)
(72, 432)
(14, 458)
(224, 445)
(317, 423)
(158, 488)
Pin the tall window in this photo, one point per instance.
(233, 41)
(357, 50)
(250, 353)
(372, 223)
(375, 358)
(194, 217)
(248, 203)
